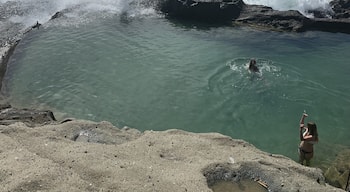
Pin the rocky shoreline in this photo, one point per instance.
(336, 19)
(79, 155)
(41, 154)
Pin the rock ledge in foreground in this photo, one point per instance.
(48, 158)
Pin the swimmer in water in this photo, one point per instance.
(253, 67)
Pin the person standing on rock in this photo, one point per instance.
(308, 137)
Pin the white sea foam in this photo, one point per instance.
(31, 11)
(300, 5)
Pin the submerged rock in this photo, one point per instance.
(338, 174)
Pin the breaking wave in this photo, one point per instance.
(301, 5)
(28, 12)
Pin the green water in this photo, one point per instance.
(152, 73)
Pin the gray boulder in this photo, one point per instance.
(31, 117)
(266, 17)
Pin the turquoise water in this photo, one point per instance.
(152, 73)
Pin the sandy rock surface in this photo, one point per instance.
(80, 155)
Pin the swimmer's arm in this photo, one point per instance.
(301, 134)
(301, 126)
(308, 138)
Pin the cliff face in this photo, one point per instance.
(78, 155)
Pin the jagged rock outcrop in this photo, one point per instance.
(32, 117)
(204, 10)
(48, 158)
(341, 9)
(266, 17)
(336, 20)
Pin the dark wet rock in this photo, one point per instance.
(329, 25)
(325, 20)
(341, 9)
(320, 13)
(58, 14)
(5, 106)
(66, 120)
(61, 14)
(31, 117)
(36, 25)
(266, 17)
(205, 10)
(335, 20)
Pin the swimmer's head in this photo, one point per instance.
(252, 61)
